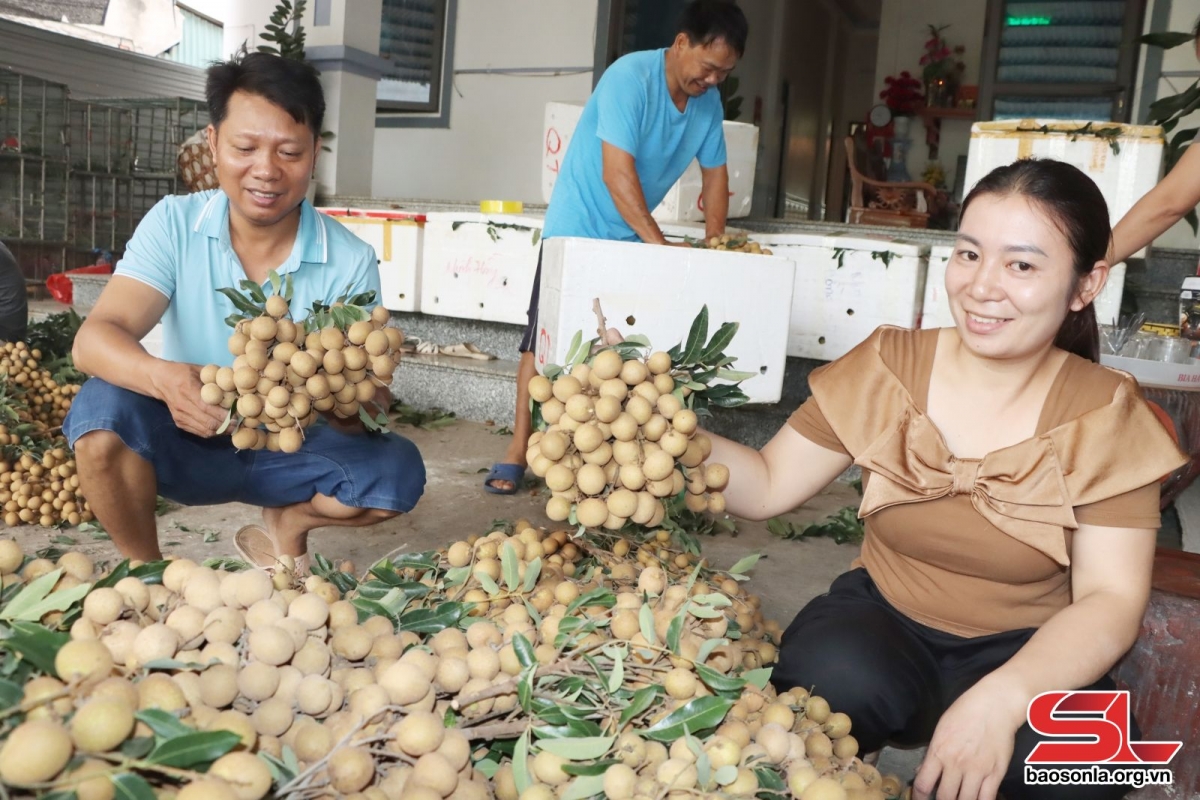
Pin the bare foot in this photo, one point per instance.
(287, 542)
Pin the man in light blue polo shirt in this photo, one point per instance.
(139, 427)
(651, 113)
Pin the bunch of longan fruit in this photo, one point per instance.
(47, 401)
(281, 377)
(295, 669)
(619, 440)
(735, 243)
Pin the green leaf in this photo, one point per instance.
(520, 763)
(276, 282)
(164, 724)
(225, 425)
(35, 644)
(509, 568)
(646, 623)
(719, 341)
(596, 597)
(694, 346)
(707, 648)
(254, 290)
(735, 375)
(596, 768)
(240, 302)
(10, 694)
(194, 748)
(718, 682)
(745, 564)
(757, 677)
(584, 786)
(29, 597)
(697, 716)
(770, 780)
(675, 631)
(456, 575)
(524, 650)
(725, 775)
(489, 585)
(532, 570)
(138, 746)
(617, 677)
(131, 786)
(642, 699)
(1166, 39)
(578, 749)
(432, 620)
(573, 350)
(56, 601)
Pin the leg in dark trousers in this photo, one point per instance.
(895, 677)
(848, 648)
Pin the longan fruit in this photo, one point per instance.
(101, 724)
(247, 774)
(352, 768)
(87, 661)
(419, 733)
(103, 605)
(34, 752)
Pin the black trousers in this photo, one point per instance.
(529, 338)
(895, 677)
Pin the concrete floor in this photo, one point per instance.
(455, 506)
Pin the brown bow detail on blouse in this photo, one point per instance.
(1019, 489)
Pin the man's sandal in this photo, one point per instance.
(255, 545)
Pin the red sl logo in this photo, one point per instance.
(1099, 717)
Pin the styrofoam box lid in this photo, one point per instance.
(1151, 134)
(941, 251)
(876, 244)
(1157, 374)
(1191, 283)
(468, 216)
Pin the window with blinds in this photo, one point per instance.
(1060, 59)
(412, 39)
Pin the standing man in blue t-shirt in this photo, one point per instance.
(139, 427)
(651, 113)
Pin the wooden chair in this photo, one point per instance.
(878, 202)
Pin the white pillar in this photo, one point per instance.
(343, 42)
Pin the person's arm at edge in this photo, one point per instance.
(1110, 588)
(785, 474)
(1163, 206)
(621, 180)
(715, 194)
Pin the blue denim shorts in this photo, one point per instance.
(383, 471)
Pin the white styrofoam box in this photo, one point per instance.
(682, 203)
(663, 289)
(936, 311)
(847, 286)
(397, 239)
(1123, 177)
(561, 120)
(479, 266)
(1157, 374)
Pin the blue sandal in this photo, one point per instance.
(513, 473)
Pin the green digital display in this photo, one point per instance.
(1025, 22)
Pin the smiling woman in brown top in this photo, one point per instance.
(1010, 498)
